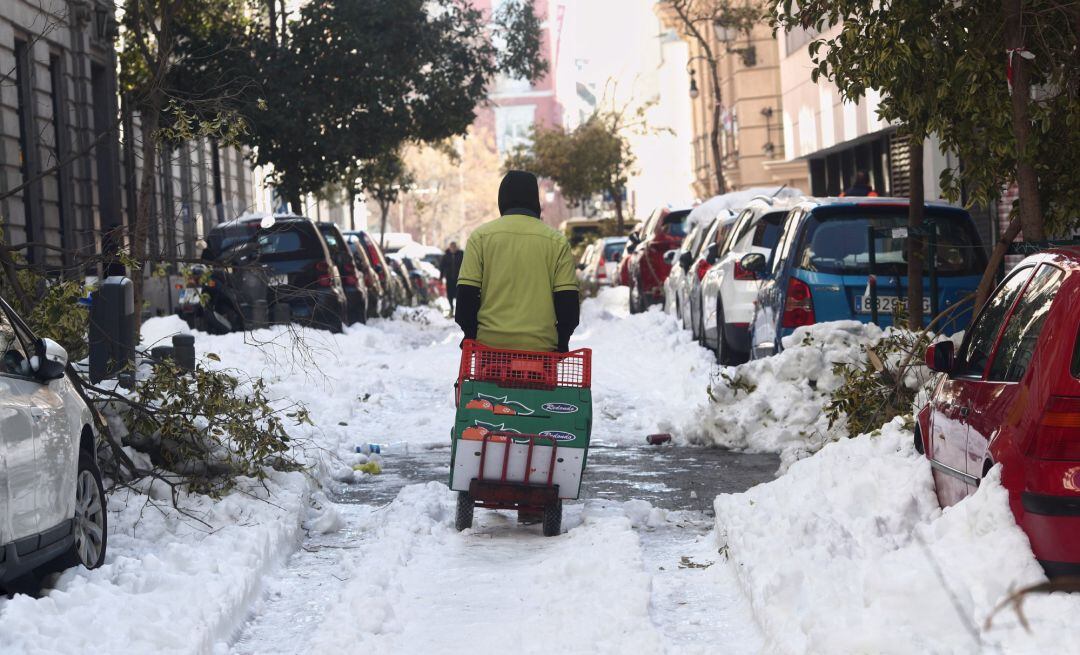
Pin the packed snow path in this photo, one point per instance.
(627, 576)
(636, 570)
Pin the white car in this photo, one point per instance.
(583, 264)
(602, 266)
(727, 291)
(52, 502)
(682, 289)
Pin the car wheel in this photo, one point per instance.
(553, 518)
(90, 524)
(325, 318)
(463, 519)
(723, 351)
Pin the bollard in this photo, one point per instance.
(259, 314)
(112, 328)
(184, 351)
(161, 353)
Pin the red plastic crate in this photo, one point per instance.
(525, 369)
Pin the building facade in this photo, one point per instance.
(751, 138)
(70, 157)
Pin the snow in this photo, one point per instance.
(846, 552)
(776, 404)
(734, 201)
(849, 553)
(170, 583)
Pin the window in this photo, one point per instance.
(613, 250)
(838, 245)
(1022, 331)
(12, 350)
(740, 227)
(979, 341)
(513, 127)
(784, 246)
(675, 224)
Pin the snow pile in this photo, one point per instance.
(586, 590)
(171, 583)
(776, 404)
(648, 374)
(849, 553)
(734, 202)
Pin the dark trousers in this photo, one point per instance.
(451, 294)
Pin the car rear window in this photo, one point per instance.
(223, 239)
(838, 244)
(675, 224)
(289, 241)
(613, 250)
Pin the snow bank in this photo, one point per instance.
(170, 583)
(776, 404)
(649, 374)
(496, 588)
(735, 201)
(849, 553)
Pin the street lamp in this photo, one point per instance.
(727, 35)
(693, 86)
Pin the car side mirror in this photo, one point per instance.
(635, 238)
(685, 259)
(755, 263)
(941, 356)
(669, 257)
(711, 253)
(581, 266)
(50, 360)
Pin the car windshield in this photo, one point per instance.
(838, 245)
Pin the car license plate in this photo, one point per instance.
(886, 304)
(279, 280)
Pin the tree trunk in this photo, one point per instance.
(296, 201)
(620, 222)
(148, 120)
(352, 209)
(384, 210)
(997, 256)
(714, 137)
(916, 211)
(1027, 180)
(272, 7)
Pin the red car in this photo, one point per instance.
(1011, 395)
(664, 230)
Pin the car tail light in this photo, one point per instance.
(799, 305)
(703, 267)
(743, 274)
(368, 280)
(348, 275)
(323, 271)
(1058, 434)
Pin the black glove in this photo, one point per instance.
(567, 315)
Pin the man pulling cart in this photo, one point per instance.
(524, 406)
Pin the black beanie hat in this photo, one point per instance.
(519, 193)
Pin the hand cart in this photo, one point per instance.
(521, 435)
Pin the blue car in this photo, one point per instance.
(820, 269)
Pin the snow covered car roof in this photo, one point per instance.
(735, 201)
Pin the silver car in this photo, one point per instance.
(52, 502)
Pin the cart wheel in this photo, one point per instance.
(553, 519)
(464, 511)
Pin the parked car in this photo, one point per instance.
(400, 278)
(294, 260)
(52, 502)
(602, 268)
(356, 293)
(378, 298)
(820, 267)
(679, 259)
(392, 284)
(664, 230)
(622, 275)
(690, 266)
(583, 264)
(1011, 396)
(728, 290)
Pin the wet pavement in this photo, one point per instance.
(670, 477)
